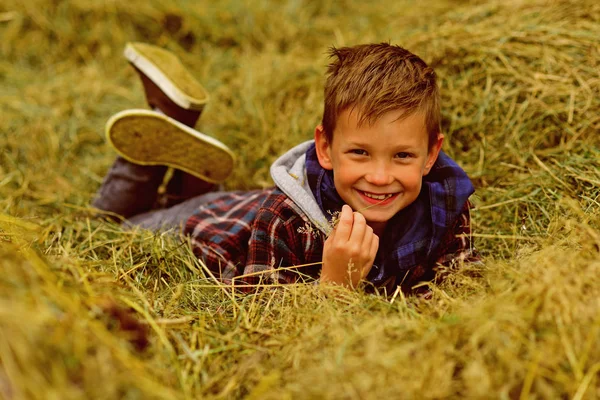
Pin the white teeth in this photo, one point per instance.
(378, 196)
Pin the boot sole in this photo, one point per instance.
(168, 73)
(149, 138)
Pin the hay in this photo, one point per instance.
(88, 310)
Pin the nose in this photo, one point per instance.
(378, 174)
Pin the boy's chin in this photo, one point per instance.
(376, 213)
(378, 216)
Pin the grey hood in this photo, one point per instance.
(289, 174)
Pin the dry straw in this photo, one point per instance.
(90, 310)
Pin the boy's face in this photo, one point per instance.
(378, 169)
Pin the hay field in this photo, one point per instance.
(89, 310)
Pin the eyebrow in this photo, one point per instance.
(367, 144)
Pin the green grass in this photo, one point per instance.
(520, 92)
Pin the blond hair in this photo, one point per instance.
(375, 79)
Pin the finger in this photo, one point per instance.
(359, 228)
(372, 254)
(367, 242)
(374, 247)
(344, 226)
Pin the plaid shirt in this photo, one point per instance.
(263, 237)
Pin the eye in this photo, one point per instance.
(403, 154)
(359, 152)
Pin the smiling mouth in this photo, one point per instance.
(377, 196)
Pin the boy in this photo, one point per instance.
(371, 198)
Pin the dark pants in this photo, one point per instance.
(172, 218)
(130, 191)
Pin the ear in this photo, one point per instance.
(433, 153)
(323, 148)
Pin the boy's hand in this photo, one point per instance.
(349, 251)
